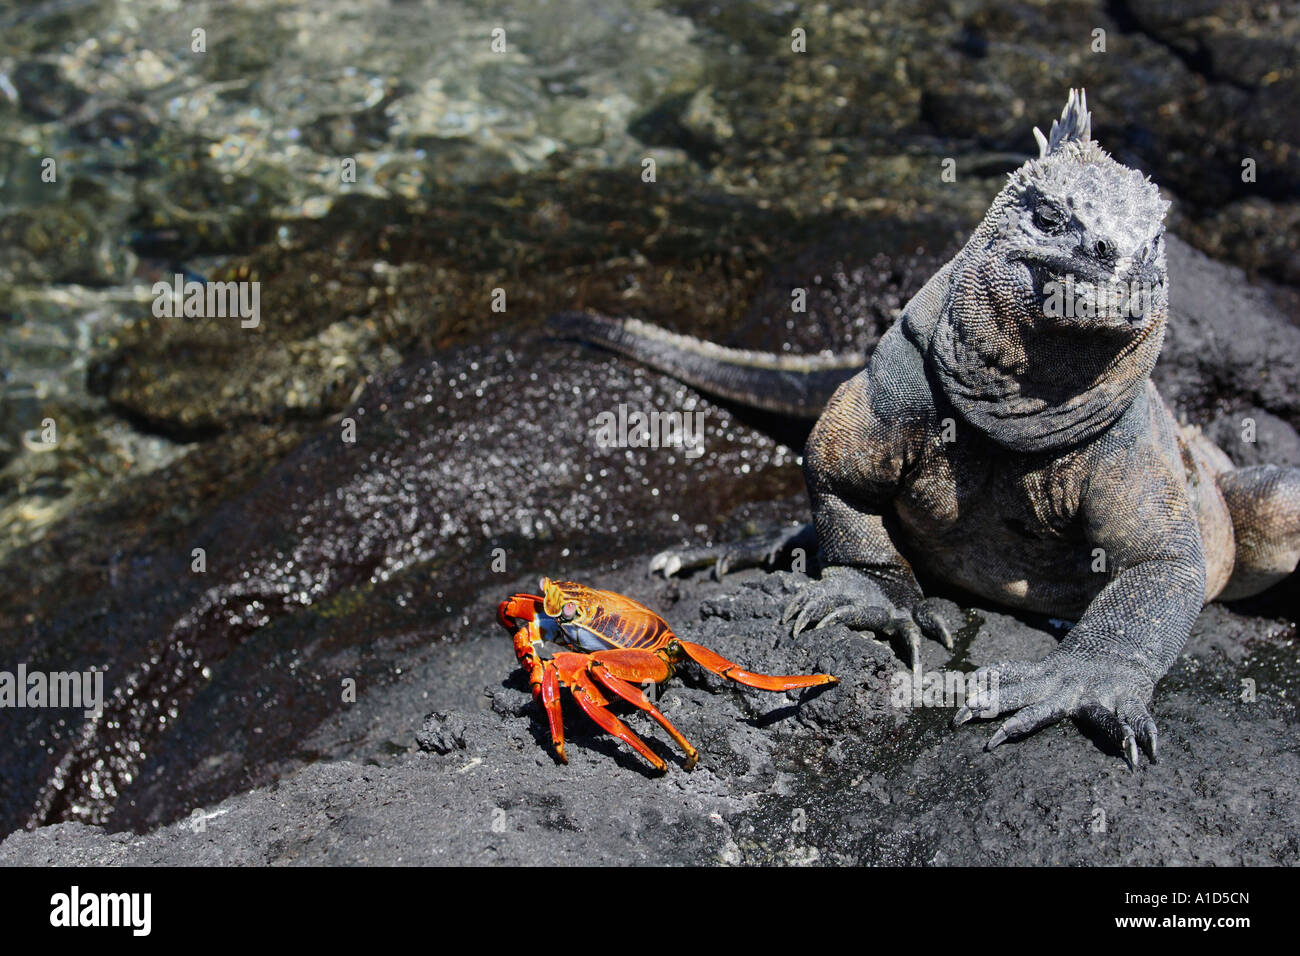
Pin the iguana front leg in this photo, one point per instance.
(878, 595)
(854, 463)
(1137, 511)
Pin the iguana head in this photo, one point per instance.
(1055, 309)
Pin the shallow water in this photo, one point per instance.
(168, 157)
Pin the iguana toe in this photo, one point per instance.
(837, 587)
(1134, 714)
(878, 620)
(759, 550)
(1001, 688)
(1114, 729)
(1136, 727)
(747, 554)
(931, 624)
(850, 598)
(818, 609)
(669, 563)
(1029, 719)
(860, 617)
(1063, 685)
(1127, 726)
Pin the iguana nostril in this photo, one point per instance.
(1102, 248)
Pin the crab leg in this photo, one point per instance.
(545, 683)
(573, 671)
(612, 667)
(551, 701)
(719, 665)
(526, 650)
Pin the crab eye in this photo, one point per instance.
(569, 611)
(1048, 217)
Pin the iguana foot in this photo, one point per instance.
(1109, 693)
(758, 550)
(849, 597)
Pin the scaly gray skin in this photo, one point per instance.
(1008, 450)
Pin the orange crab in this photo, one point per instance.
(618, 644)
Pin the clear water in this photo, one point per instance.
(170, 147)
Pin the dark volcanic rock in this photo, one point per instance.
(442, 733)
(377, 282)
(838, 775)
(344, 560)
(347, 561)
(1252, 436)
(1230, 343)
(345, 556)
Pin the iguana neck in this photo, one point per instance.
(1029, 386)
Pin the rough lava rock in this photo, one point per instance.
(356, 561)
(837, 775)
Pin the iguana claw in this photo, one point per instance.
(1104, 692)
(932, 626)
(666, 562)
(848, 597)
(759, 550)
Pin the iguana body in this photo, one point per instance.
(1025, 456)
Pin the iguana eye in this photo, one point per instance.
(1048, 217)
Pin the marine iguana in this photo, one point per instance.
(1017, 450)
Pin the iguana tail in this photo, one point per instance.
(798, 386)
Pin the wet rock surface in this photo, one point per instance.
(347, 548)
(350, 561)
(353, 562)
(831, 776)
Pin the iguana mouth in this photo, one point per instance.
(1092, 300)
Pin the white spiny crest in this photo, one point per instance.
(1075, 124)
(1078, 176)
